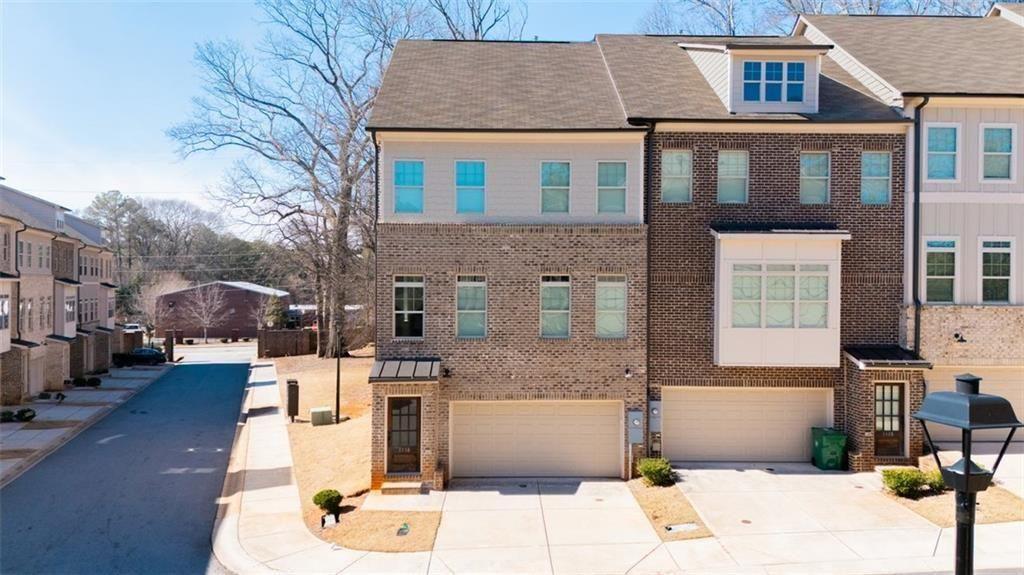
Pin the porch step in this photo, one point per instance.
(401, 488)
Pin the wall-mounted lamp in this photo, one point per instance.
(446, 372)
(629, 373)
(959, 337)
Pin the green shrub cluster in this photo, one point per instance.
(656, 471)
(328, 499)
(912, 482)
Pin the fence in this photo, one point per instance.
(284, 342)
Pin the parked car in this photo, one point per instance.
(132, 328)
(139, 356)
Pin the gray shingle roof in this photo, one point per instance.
(933, 54)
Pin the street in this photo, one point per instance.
(136, 492)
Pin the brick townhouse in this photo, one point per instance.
(961, 80)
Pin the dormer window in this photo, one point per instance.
(771, 81)
(60, 222)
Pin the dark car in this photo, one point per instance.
(139, 356)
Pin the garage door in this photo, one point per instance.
(37, 375)
(1008, 382)
(741, 424)
(536, 439)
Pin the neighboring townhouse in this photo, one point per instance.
(961, 80)
(9, 226)
(96, 331)
(239, 309)
(511, 265)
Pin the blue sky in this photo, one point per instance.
(88, 88)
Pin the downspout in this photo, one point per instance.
(78, 288)
(17, 272)
(376, 236)
(648, 202)
(915, 275)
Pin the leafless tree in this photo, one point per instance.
(481, 19)
(258, 312)
(205, 307)
(714, 17)
(151, 311)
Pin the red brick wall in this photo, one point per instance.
(238, 306)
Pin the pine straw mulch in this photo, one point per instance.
(666, 506)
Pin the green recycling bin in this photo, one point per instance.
(828, 447)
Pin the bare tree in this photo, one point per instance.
(717, 17)
(481, 19)
(151, 311)
(205, 307)
(258, 312)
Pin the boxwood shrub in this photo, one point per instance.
(904, 481)
(656, 471)
(328, 499)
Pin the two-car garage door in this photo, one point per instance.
(537, 439)
(741, 424)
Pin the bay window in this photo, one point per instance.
(780, 295)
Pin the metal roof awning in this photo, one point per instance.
(104, 329)
(23, 343)
(407, 370)
(804, 230)
(885, 357)
(108, 285)
(58, 337)
(7, 276)
(67, 281)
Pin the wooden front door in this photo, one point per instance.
(889, 419)
(403, 435)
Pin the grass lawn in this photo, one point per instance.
(338, 456)
(666, 506)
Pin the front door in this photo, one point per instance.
(889, 419)
(403, 435)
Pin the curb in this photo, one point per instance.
(41, 454)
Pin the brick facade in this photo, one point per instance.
(238, 319)
(77, 357)
(513, 362)
(13, 375)
(101, 352)
(860, 416)
(58, 363)
(992, 334)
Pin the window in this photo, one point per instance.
(6, 245)
(5, 311)
(42, 257)
(555, 182)
(48, 260)
(732, 177)
(773, 81)
(111, 304)
(766, 80)
(69, 309)
(814, 177)
(996, 271)
(611, 187)
(943, 144)
(875, 177)
(795, 82)
(676, 176)
(469, 187)
(28, 254)
(409, 306)
(780, 296)
(21, 315)
(940, 271)
(28, 314)
(408, 187)
(997, 160)
(610, 307)
(471, 304)
(554, 306)
(751, 81)
(21, 253)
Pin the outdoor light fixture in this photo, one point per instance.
(968, 410)
(629, 373)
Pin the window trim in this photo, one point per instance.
(661, 189)
(957, 262)
(598, 187)
(958, 155)
(718, 179)
(459, 283)
(422, 284)
(625, 308)
(394, 188)
(455, 185)
(827, 177)
(540, 305)
(887, 179)
(540, 186)
(796, 274)
(1012, 250)
(1013, 153)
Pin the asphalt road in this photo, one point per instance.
(137, 491)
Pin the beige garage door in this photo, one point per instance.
(736, 424)
(1007, 382)
(36, 375)
(536, 439)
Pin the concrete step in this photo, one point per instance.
(401, 488)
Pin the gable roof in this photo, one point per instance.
(496, 86)
(247, 286)
(933, 54)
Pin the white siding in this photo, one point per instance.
(5, 334)
(512, 180)
(855, 69)
(715, 67)
(970, 120)
(808, 106)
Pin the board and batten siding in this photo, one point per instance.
(715, 67)
(970, 120)
(512, 191)
(967, 222)
(863, 75)
(811, 73)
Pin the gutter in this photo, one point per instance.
(926, 95)
(376, 235)
(915, 275)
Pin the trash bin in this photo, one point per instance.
(293, 398)
(828, 447)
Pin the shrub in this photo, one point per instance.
(79, 382)
(904, 481)
(6, 416)
(223, 340)
(934, 481)
(656, 471)
(45, 395)
(189, 341)
(26, 414)
(93, 382)
(246, 339)
(328, 499)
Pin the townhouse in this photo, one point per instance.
(961, 81)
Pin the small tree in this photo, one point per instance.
(275, 316)
(205, 307)
(152, 312)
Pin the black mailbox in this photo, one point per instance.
(293, 398)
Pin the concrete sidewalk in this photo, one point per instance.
(22, 445)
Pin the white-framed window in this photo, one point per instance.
(21, 253)
(408, 184)
(995, 282)
(942, 162)
(42, 256)
(471, 307)
(998, 147)
(875, 177)
(732, 176)
(409, 293)
(470, 183)
(49, 261)
(555, 306)
(111, 305)
(28, 254)
(555, 186)
(610, 306)
(676, 176)
(6, 246)
(780, 295)
(773, 81)
(28, 314)
(5, 311)
(69, 309)
(611, 187)
(21, 315)
(940, 273)
(815, 176)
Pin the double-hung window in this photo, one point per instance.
(940, 271)
(815, 173)
(555, 183)
(780, 296)
(752, 81)
(555, 294)
(471, 307)
(470, 180)
(773, 81)
(794, 81)
(5, 311)
(610, 307)
(21, 253)
(732, 176)
(875, 177)
(28, 254)
(996, 271)
(408, 187)
(69, 309)
(676, 176)
(997, 152)
(943, 147)
(611, 187)
(409, 306)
